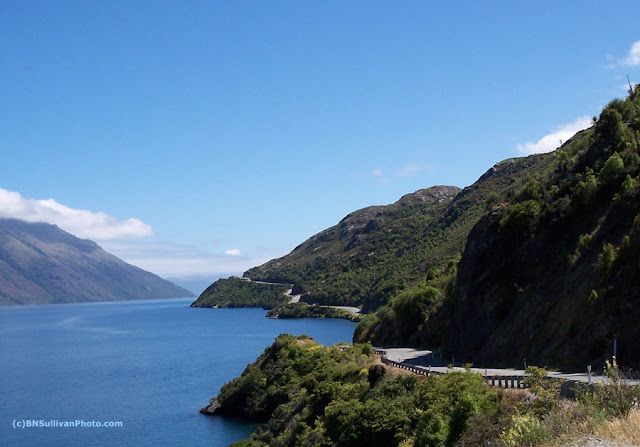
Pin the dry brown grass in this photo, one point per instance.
(624, 430)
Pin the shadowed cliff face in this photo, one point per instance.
(41, 264)
(529, 295)
(553, 275)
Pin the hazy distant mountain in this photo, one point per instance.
(197, 284)
(42, 264)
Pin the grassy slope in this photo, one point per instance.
(368, 255)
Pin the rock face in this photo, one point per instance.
(211, 409)
(42, 264)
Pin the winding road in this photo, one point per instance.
(296, 298)
(424, 362)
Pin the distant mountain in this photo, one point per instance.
(197, 284)
(42, 264)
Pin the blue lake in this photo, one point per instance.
(150, 365)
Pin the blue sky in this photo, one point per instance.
(194, 138)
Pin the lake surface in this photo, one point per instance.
(149, 365)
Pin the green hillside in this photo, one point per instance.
(552, 273)
(307, 394)
(237, 292)
(375, 253)
(538, 259)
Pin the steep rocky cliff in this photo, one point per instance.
(554, 274)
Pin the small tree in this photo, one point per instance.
(546, 390)
(612, 170)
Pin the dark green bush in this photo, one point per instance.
(376, 373)
(411, 307)
(612, 170)
(521, 217)
(610, 125)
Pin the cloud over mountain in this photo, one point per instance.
(553, 140)
(81, 223)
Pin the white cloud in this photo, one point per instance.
(633, 58)
(377, 172)
(180, 261)
(232, 252)
(81, 223)
(554, 139)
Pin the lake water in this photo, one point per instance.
(149, 365)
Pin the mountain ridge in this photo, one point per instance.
(42, 264)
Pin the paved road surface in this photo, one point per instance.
(426, 360)
(296, 298)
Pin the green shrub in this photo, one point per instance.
(411, 307)
(616, 397)
(610, 125)
(531, 191)
(584, 243)
(624, 108)
(376, 373)
(521, 217)
(586, 190)
(612, 169)
(593, 297)
(525, 430)
(486, 427)
(547, 391)
(627, 185)
(364, 327)
(606, 262)
(490, 200)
